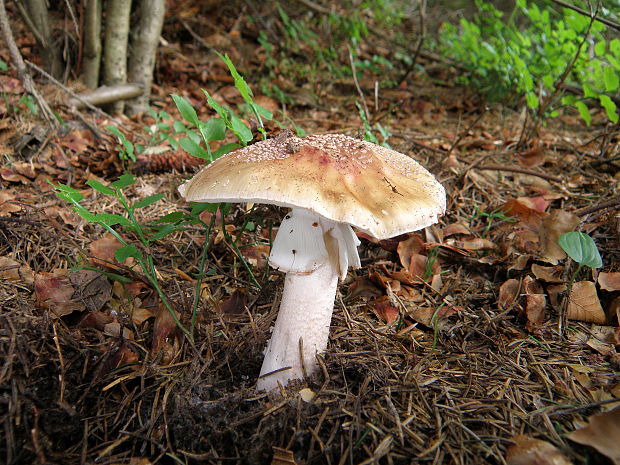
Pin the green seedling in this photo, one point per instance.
(582, 249)
(144, 234)
(126, 150)
(496, 215)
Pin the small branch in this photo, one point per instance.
(22, 71)
(518, 170)
(105, 94)
(357, 85)
(606, 22)
(418, 48)
(613, 203)
(464, 133)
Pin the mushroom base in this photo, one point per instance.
(301, 330)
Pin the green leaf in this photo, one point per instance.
(193, 148)
(584, 112)
(130, 250)
(611, 79)
(581, 248)
(614, 47)
(532, 100)
(173, 217)
(150, 200)
(240, 83)
(163, 232)
(123, 181)
(117, 132)
(610, 107)
(262, 111)
(240, 129)
(110, 219)
(3, 66)
(214, 129)
(224, 149)
(186, 109)
(599, 48)
(96, 185)
(219, 109)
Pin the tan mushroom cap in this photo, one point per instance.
(378, 190)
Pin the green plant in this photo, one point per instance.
(537, 52)
(144, 235)
(582, 249)
(369, 131)
(496, 215)
(126, 150)
(3, 66)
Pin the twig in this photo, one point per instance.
(76, 96)
(357, 85)
(606, 22)
(464, 133)
(418, 48)
(518, 170)
(601, 206)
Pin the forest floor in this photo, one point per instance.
(454, 344)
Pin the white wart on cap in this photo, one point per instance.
(347, 180)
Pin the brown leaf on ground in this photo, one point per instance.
(165, 335)
(8, 203)
(256, 254)
(529, 451)
(584, 304)
(65, 214)
(535, 303)
(54, 292)
(92, 289)
(548, 274)
(532, 158)
(508, 293)
(476, 243)
(236, 304)
(13, 176)
(96, 319)
(609, 281)
(455, 228)
(13, 271)
(103, 250)
(385, 310)
(429, 315)
(364, 287)
(557, 223)
(602, 433)
(526, 209)
(413, 245)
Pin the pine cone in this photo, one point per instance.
(179, 161)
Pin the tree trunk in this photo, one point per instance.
(115, 53)
(144, 42)
(36, 16)
(92, 44)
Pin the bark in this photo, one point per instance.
(92, 44)
(20, 66)
(144, 42)
(36, 16)
(115, 52)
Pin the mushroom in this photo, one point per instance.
(330, 182)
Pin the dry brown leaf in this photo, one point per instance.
(364, 287)
(8, 203)
(54, 292)
(256, 254)
(236, 304)
(476, 243)
(282, 457)
(548, 274)
(535, 303)
(385, 311)
(530, 451)
(103, 250)
(531, 159)
(429, 315)
(96, 319)
(609, 281)
(13, 271)
(413, 245)
(584, 304)
(557, 223)
(455, 228)
(508, 293)
(526, 209)
(602, 433)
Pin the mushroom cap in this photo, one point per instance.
(375, 189)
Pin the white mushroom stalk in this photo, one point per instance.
(313, 252)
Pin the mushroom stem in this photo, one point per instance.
(302, 327)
